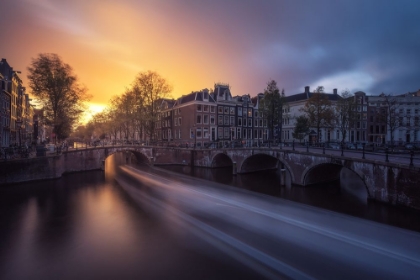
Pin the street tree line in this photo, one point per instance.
(131, 115)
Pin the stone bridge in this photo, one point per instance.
(384, 181)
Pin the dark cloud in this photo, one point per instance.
(365, 45)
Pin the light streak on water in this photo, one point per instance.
(274, 236)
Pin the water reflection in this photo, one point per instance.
(82, 227)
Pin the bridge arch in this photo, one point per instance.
(221, 160)
(319, 173)
(140, 157)
(129, 154)
(327, 172)
(258, 162)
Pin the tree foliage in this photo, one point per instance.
(302, 127)
(318, 109)
(271, 106)
(57, 89)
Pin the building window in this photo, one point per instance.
(220, 120)
(232, 110)
(206, 108)
(226, 120)
(226, 133)
(239, 121)
(205, 119)
(245, 122)
(212, 119)
(255, 123)
(180, 121)
(198, 130)
(212, 109)
(238, 133)
(232, 120)
(220, 110)
(205, 132)
(199, 108)
(239, 111)
(249, 122)
(220, 132)
(249, 112)
(255, 114)
(198, 119)
(226, 110)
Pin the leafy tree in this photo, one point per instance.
(57, 89)
(301, 127)
(318, 109)
(271, 106)
(345, 113)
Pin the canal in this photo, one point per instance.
(86, 227)
(82, 227)
(349, 196)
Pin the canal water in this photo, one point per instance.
(349, 196)
(82, 226)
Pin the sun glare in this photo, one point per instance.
(93, 108)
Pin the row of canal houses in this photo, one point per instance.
(18, 118)
(204, 117)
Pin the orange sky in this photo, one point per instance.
(355, 45)
(108, 43)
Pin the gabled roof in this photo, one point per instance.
(306, 96)
(221, 91)
(202, 95)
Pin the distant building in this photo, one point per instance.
(292, 109)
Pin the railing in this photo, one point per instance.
(381, 154)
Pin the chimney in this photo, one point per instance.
(335, 91)
(307, 91)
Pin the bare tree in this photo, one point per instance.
(319, 111)
(150, 87)
(57, 89)
(391, 115)
(272, 106)
(345, 113)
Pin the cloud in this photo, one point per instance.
(364, 45)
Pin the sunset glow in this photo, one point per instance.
(195, 44)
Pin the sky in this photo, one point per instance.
(367, 45)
